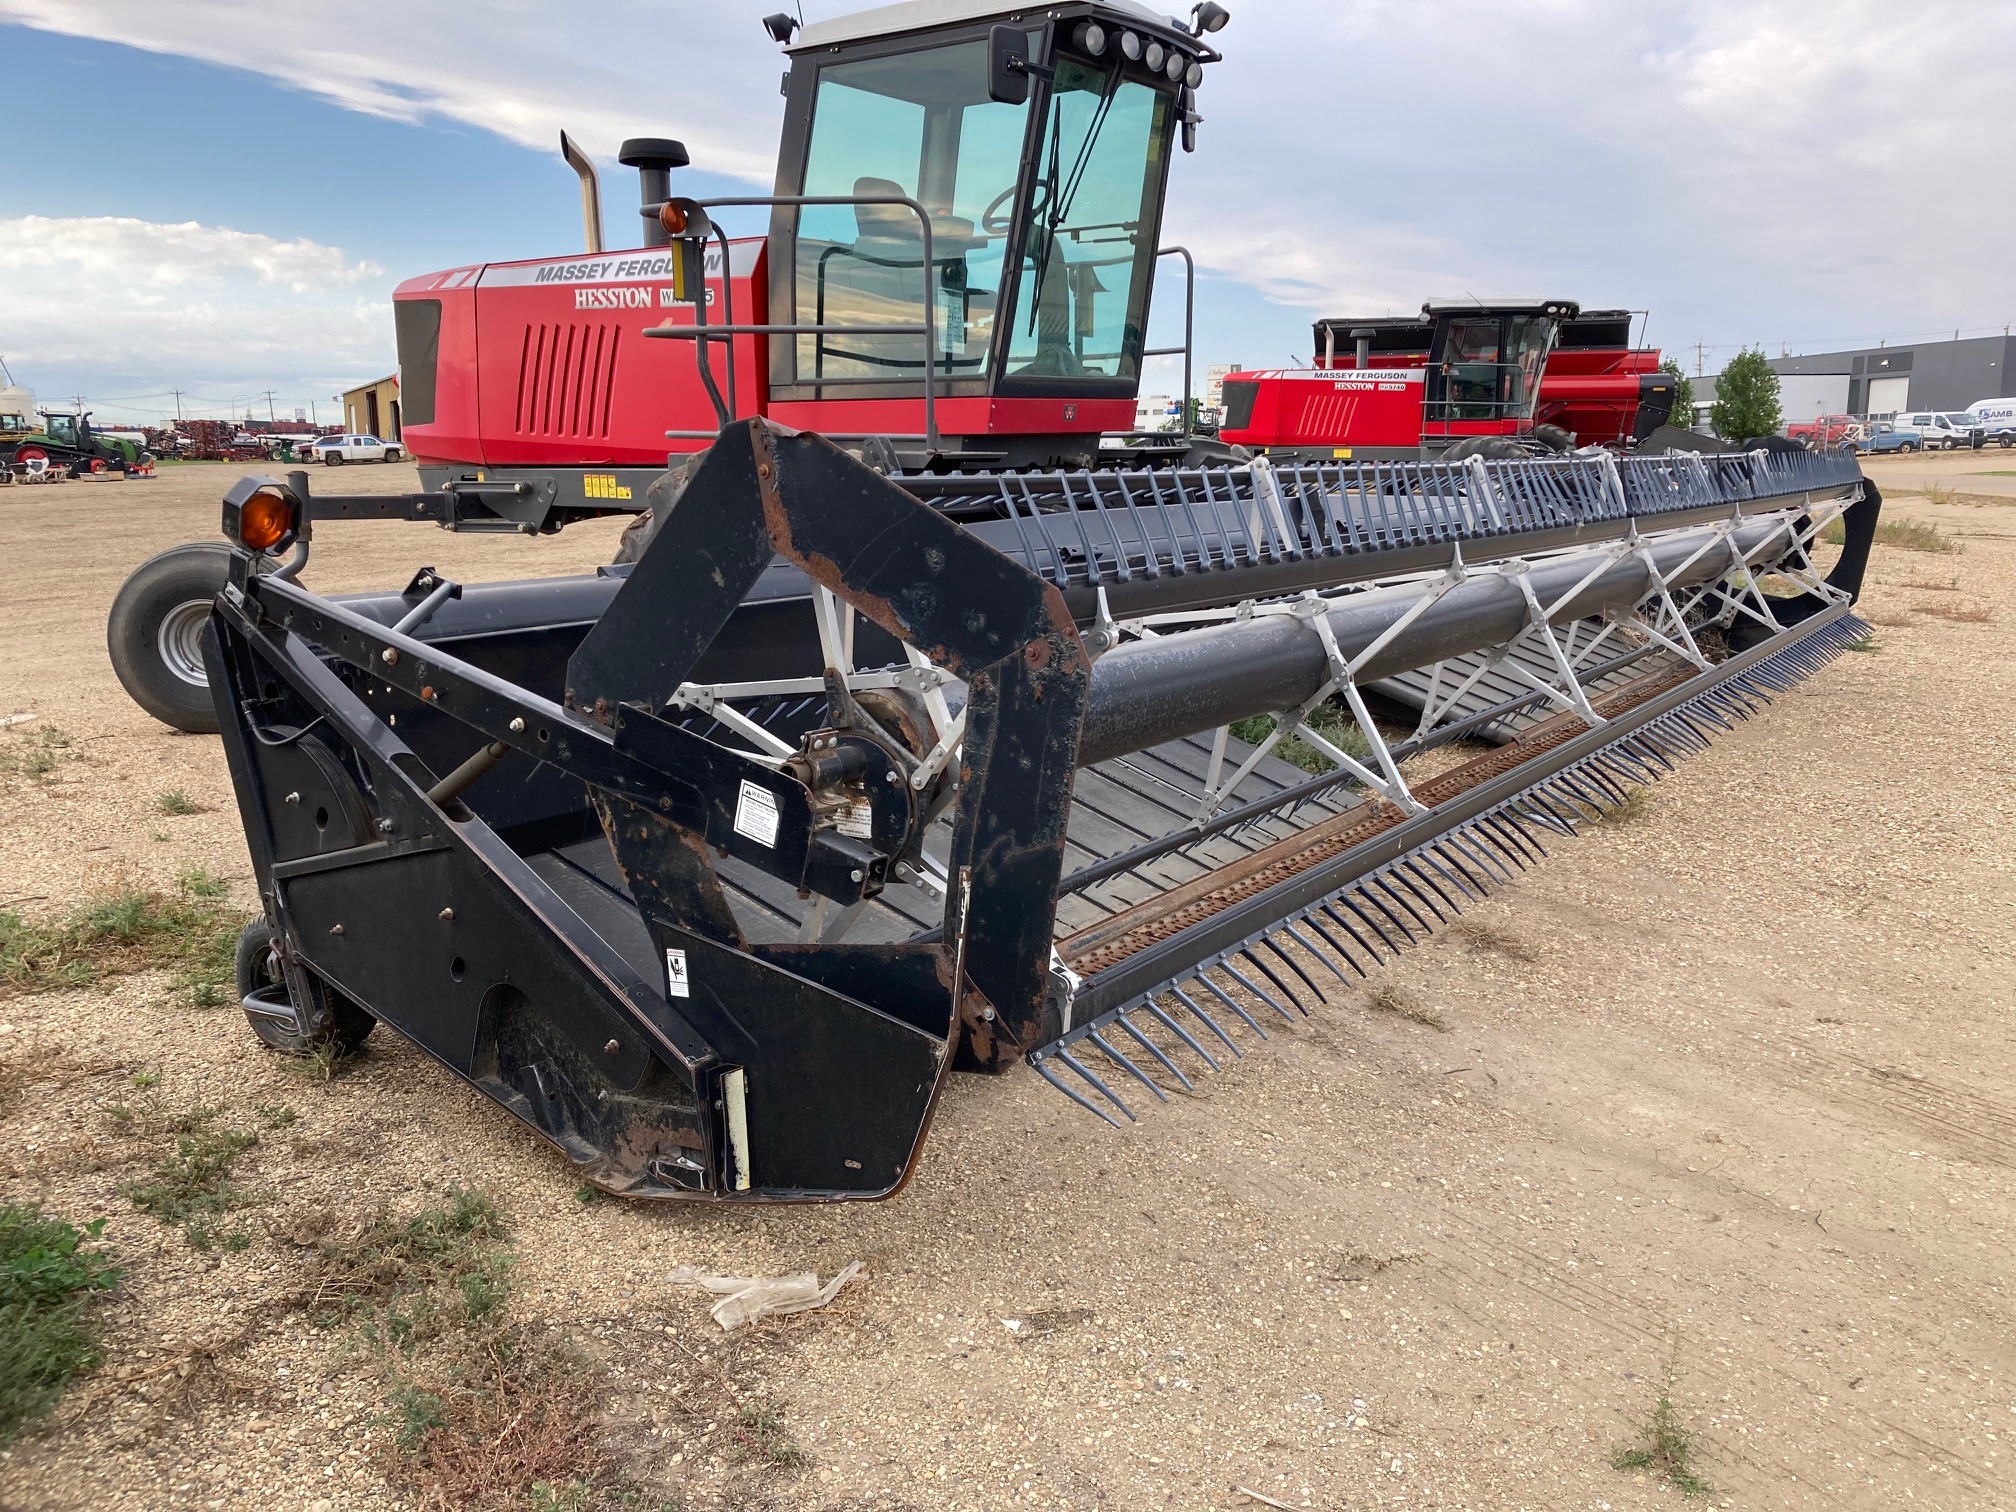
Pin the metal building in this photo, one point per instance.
(372, 409)
(1930, 375)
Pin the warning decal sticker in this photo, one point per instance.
(756, 814)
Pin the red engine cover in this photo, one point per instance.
(1340, 408)
(547, 362)
(1593, 392)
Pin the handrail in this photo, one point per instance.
(702, 333)
(1189, 327)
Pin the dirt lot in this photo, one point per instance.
(1722, 1096)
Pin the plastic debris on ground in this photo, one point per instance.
(744, 1299)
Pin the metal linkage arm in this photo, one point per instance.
(643, 760)
(938, 589)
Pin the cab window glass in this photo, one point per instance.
(918, 125)
(1082, 287)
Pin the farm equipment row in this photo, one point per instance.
(66, 446)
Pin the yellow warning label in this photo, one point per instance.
(1340, 453)
(603, 486)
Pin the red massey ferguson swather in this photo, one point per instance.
(1469, 378)
(709, 867)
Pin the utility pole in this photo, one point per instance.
(1698, 358)
(178, 404)
(269, 407)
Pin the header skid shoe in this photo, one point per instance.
(709, 868)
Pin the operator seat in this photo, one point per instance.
(879, 280)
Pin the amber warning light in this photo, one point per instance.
(261, 514)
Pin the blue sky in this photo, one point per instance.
(221, 202)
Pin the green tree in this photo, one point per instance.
(1746, 398)
(1683, 393)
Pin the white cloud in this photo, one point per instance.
(110, 300)
(1758, 169)
(603, 70)
(1749, 169)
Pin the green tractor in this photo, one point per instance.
(66, 444)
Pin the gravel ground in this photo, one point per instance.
(1725, 1088)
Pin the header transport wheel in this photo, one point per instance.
(155, 633)
(262, 988)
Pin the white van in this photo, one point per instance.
(1997, 419)
(1942, 431)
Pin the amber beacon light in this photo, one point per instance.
(261, 514)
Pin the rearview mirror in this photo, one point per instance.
(1008, 67)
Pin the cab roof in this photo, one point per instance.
(1568, 309)
(927, 15)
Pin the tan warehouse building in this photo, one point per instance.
(372, 409)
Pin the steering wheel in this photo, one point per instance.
(991, 223)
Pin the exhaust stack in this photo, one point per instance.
(654, 158)
(591, 192)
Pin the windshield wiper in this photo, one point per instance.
(1057, 204)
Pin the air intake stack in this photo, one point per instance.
(654, 158)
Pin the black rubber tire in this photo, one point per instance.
(2003, 442)
(392, 454)
(332, 459)
(1490, 448)
(1909, 446)
(1555, 438)
(167, 587)
(257, 966)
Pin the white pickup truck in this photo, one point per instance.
(334, 450)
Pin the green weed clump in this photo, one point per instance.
(190, 929)
(1330, 719)
(478, 1410)
(195, 1189)
(761, 1438)
(1664, 1446)
(1904, 534)
(36, 753)
(51, 1272)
